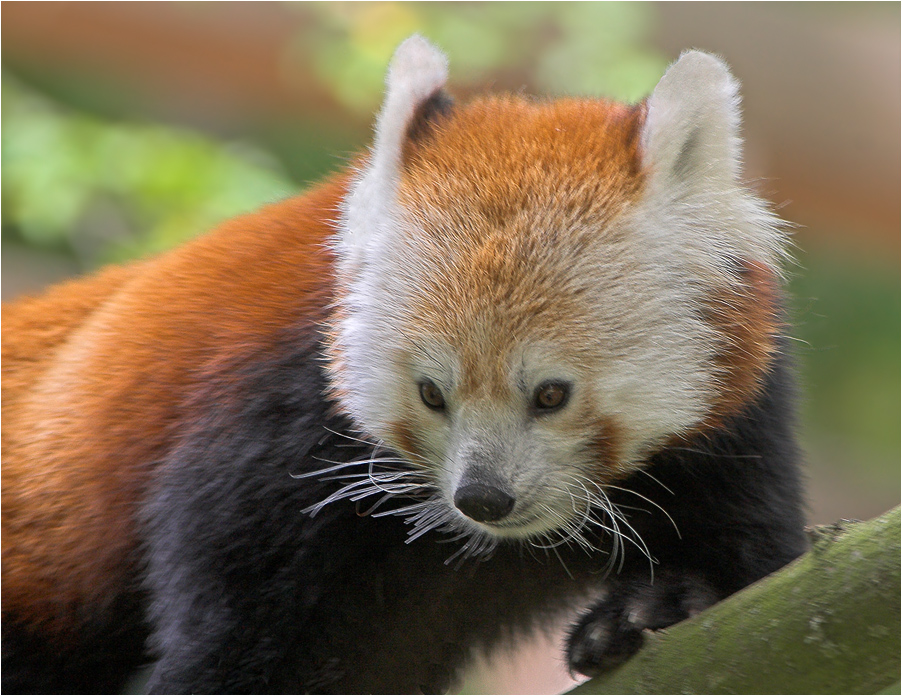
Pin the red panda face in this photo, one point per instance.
(534, 297)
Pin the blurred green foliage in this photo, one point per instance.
(106, 191)
(846, 320)
(545, 42)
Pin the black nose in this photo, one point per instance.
(483, 502)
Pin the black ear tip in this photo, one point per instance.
(432, 110)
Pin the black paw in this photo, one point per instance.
(601, 641)
(612, 631)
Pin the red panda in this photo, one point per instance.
(523, 359)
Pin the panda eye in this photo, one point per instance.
(551, 396)
(432, 395)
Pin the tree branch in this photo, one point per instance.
(827, 623)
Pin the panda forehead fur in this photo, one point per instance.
(584, 242)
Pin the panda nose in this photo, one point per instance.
(483, 502)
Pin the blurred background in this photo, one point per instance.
(129, 127)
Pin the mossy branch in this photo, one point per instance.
(827, 623)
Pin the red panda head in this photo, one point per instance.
(534, 296)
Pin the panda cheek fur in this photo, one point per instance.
(401, 432)
(604, 451)
(747, 318)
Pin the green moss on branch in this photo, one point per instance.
(827, 623)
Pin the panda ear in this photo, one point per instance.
(414, 95)
(414, 92)
(691, 131)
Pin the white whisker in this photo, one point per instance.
(582, 518)
(644, 472)
(652, 502)
(327, 470)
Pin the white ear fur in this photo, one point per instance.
(691, 128)
(697, 218)
(417, 71)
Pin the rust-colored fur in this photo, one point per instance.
(95, 370)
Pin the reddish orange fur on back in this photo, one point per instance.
(96, 370)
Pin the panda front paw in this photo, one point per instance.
(600, 641)
(611, 632)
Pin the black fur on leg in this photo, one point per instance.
(734, 513)
(612, 631)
